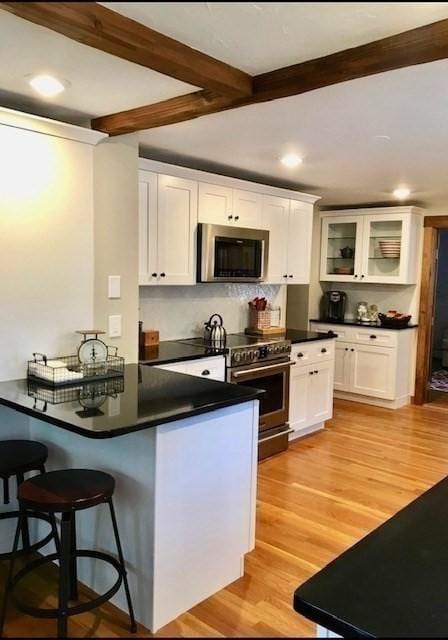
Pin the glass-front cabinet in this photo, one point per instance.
(374, 245)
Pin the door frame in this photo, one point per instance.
(432, 226)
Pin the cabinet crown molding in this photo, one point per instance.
(236, 183)
(371, 211)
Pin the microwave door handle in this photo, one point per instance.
(238, 374)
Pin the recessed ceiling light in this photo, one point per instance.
(48, 86)
(402, 193)
(291, 160)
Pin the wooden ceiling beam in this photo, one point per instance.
(101, 28)
(417, 46)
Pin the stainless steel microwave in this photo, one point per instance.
(232, 254)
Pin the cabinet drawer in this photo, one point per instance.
(343, 333)
(212, 368)
(374, 336)
(312, 352)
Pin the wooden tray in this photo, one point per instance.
(265, 331)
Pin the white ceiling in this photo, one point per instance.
(261, 36)
(100, 83)
(333, 128)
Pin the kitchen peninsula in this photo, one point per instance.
(183, 451)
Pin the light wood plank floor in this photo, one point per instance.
(315, 501)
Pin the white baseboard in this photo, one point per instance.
(377, 402)
(306, 431)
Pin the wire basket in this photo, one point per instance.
(259, 319)
(67, 370)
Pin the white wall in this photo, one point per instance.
(180, 312)
(46, 245)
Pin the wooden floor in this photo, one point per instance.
(314, 501)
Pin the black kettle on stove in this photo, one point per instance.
(214, 332)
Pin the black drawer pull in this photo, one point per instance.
(163, 274)
(316, 372)
(300, 354)
(154, 275)
(373, 337)
(311, 373)
(351, 349)
(346, 348)
(229, 217)
(206, 372)
(237, 217)
(323, 350)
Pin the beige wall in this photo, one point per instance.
(46, 245)
(116, 238)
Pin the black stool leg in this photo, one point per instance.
(15, 547)
(73, 563)
(123, 566)
(64, 573)
(25, 528)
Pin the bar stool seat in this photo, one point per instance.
(67, 492)
(18, 457)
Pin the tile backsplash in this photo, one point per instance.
(180, 312)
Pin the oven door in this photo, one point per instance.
(232, 254)
(273, 378)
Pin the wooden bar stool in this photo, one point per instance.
(67, 492)
(18, 457)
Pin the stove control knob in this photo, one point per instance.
(237, 356)
(277, 349)
(270, 350)
(250, 355)
(256, 354)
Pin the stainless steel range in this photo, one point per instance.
(264, 364)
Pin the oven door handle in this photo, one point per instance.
(276, 435)
(238, 374)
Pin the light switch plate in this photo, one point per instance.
(114, 287)
(114, 326)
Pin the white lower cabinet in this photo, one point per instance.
(311, 387)
(213, 368)
(372, 365)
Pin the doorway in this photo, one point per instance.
(432, 350)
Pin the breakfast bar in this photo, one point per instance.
(183, 452)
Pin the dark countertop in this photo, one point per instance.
(145, 397)
(367, 325)
(173, 351)
(393, 583)
(297, 336)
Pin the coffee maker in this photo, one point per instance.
(333, 306)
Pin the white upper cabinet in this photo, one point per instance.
(215, 204)
(276, 220)
(374, 245)
(300, 233)
(226, 206)
(169, 219)
(290, 225)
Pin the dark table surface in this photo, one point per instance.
(351, 322)
(144, 397)
(393, 583)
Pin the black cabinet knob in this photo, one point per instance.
(230, 217)
(206, 372)
(351, 349)
(163, 274)
(356, 275)
(154, 275)
(300, 354)
(311, 373)
(323, 350)
(346, 348)
(291, 276)
(237, 217)
(316, 372)
(362, 277)
(285, 275)
(373, 337)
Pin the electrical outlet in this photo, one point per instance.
(114, 326)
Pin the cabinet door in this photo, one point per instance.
(342, 366)
(247, 209)
(320, 406)
(373, 371)
(341, 250)
(300, 233)
(386, 249)
(276, 219)
(299, 390)
(176, 222)
(147, 227)
(215, 204)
